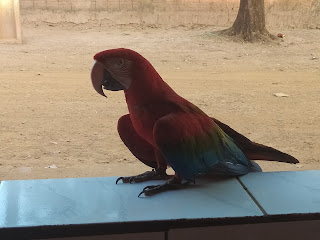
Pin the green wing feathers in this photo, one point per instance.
(193, 144)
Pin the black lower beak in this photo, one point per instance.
(110, 83)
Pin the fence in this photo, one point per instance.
(279, 13)
(119, 5)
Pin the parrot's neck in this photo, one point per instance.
(148, 89)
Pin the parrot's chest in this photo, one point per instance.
(143, 118)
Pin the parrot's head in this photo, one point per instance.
(114, 69)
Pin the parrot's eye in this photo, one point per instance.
(119, 62)
(115, 63)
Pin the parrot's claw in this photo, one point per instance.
(120, 178)
(154, 189)
(147, 176)
(131, 179)
(171, 184)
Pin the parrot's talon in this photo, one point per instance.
(120, 178)
(140, 194)
(147, 176)
(149, 187)
(154, 189)
(131, 180)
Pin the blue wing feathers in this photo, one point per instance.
(214, 152)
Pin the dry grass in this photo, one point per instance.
(293, 13)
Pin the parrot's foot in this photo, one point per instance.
(147, 176)
(171, 184)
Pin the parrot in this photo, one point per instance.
(163, 129)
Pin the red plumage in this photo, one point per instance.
(159, 119)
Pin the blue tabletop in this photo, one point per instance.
(285, 192)
(27, 203)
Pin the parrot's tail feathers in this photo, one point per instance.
(255, 167)
(261, 152)
(255, 151)
(229, 169)
(234, 170)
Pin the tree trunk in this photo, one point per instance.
(250, 22)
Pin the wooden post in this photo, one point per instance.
(10, 26)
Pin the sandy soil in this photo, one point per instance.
(50, 114)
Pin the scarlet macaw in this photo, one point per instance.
(163, 129)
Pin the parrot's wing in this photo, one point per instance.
(194, 144)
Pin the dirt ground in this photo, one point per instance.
(51, 116)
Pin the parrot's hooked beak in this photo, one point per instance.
(100, 76)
